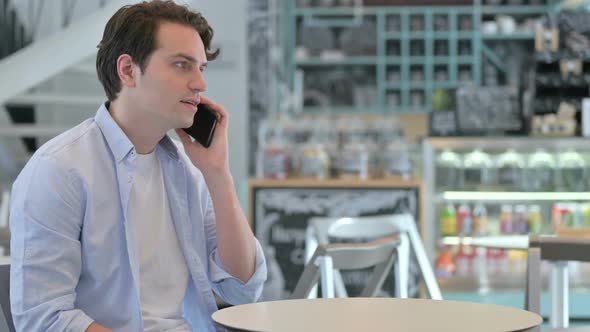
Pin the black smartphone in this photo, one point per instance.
(204, 124)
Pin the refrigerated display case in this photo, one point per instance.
(486, 195)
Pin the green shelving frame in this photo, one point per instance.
(429, 62)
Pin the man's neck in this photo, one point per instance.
(143, 134)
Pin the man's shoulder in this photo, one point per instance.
(73, 144)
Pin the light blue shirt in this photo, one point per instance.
(72, 250)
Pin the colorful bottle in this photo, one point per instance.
(520, 220)
(535, 220)
(445, 264)
(480, 219)
(448, 220)
(464, 220)
(506, 220)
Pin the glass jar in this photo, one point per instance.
(448, 171)
(478, 169)
(540, 172)
(315, 162)
(572, 170)
(273, 158)
(397, 160)
(510, 167)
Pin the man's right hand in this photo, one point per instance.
(94, 327)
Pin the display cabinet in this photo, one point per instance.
(487, 195)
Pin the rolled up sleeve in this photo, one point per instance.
(47, 209)
(231, 289)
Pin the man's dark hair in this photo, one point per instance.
(132, 30)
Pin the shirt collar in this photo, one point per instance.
(118, 142)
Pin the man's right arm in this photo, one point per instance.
(47, 210)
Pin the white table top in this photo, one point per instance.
(374, 314)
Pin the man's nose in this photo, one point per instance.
(198, 83)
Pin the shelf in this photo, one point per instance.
(340, 109)
(512, 36)
(423, 35)
(344, 61)
(458, 34)
(521, 10)
(518, 242)
(377, 10)
(393, 60)
(514, 196)
(446, 85)
(462, 60)
(393, 86)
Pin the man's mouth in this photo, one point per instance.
(190, 102)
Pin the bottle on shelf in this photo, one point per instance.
(520, 224)
(448, 220)
(535, 220)
(480, 219)
(493, 225)
(586, 214)
(517, 262)
(465, 260)
(464, 220)
(445, 263)
(506, 219)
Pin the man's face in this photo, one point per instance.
(168, 90)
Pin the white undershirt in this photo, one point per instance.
(163, 273)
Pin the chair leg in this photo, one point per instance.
(559, 295)
(339, 287)
(311, 243)
(533, 283)
(327, 276)
(402, 267)
(423, 262)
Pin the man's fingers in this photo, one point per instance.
(184, 137)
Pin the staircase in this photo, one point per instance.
(50, 53)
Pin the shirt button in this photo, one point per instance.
(130, 179)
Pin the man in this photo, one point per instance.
(114, 226)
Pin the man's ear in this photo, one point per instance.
(126, 69)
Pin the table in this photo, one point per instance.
(374, 314)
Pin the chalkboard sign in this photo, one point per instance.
(487, 110)
(280, 220)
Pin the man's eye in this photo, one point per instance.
(182, 65)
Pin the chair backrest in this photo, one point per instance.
(325, 227)
(379, 254)
(6, 325)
